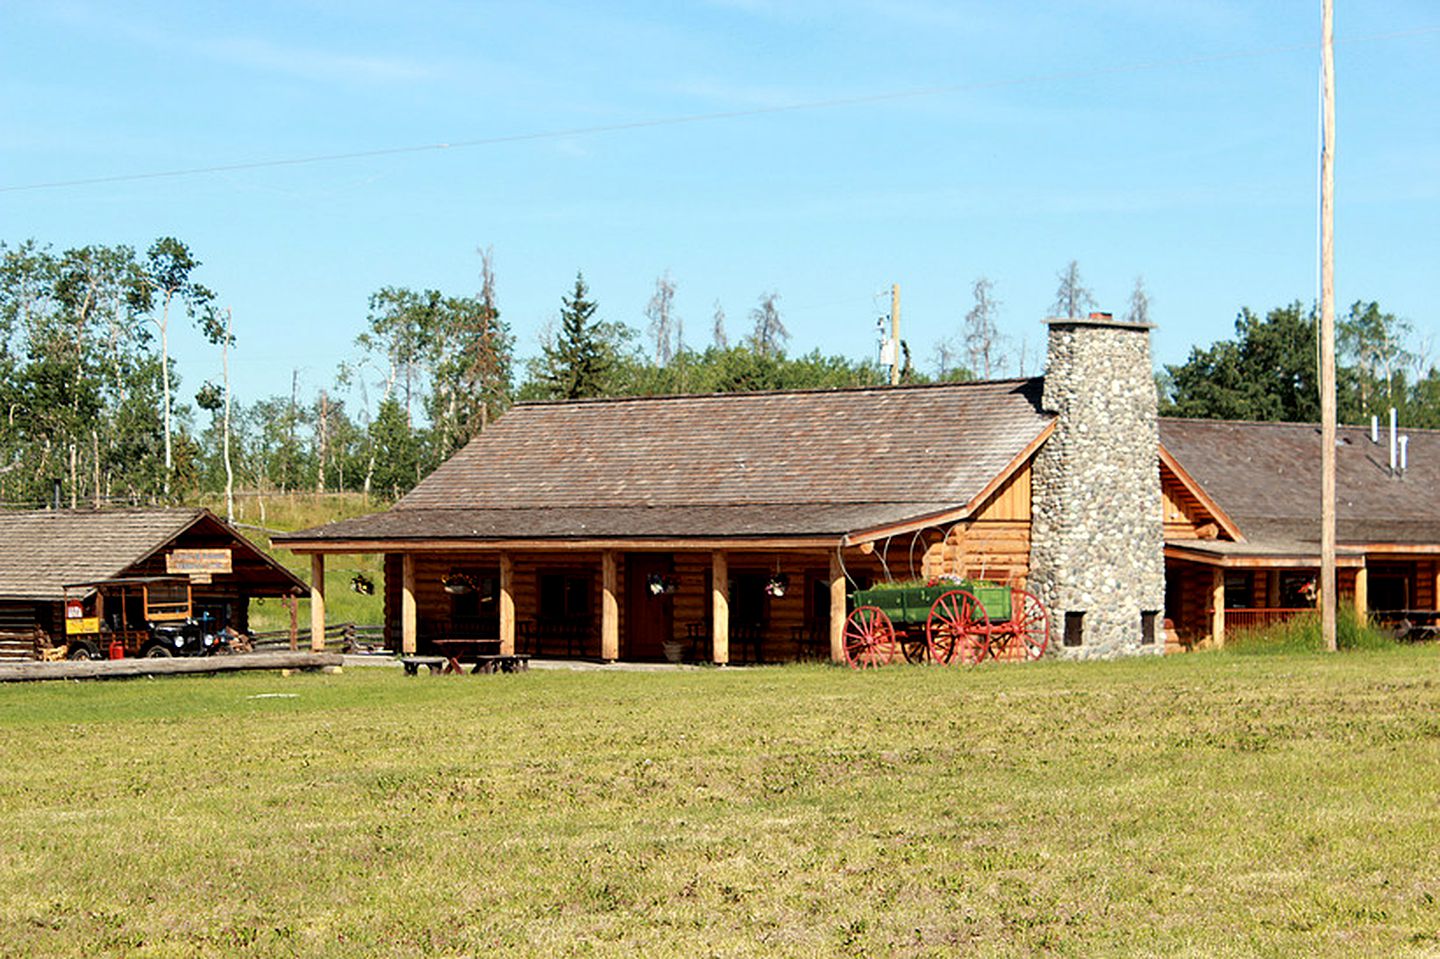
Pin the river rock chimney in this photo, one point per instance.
(1097, 534)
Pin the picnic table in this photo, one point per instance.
(483, 653)
(1410, 625)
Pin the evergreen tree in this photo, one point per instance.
(1268, 372)
(397, 461)
(576, 362)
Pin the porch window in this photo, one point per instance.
(477, 612)
(1297, 589)
(1239, 590)
(564, 596)
(1390, 585)
(748, 604)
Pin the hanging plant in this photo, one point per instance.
(777, 584)
(362, 584)
(457, 583)
(661, 585)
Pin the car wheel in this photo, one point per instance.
(157, 651)
(82, 651)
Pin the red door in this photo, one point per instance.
(649, 619)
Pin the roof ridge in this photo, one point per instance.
(806, 391)
(1291, 423)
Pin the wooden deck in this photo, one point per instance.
(178, 666)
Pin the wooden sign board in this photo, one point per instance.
(209, 561)
(200, 579)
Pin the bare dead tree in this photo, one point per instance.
(769, 335)
(1139, 308)
(982, 334)
(1072, 297)
(718, 330)
(946, 358)
(661, 314)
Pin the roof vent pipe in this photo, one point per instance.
(55, 489)
(1404, 453)
(1392, 441)
(1375, 429)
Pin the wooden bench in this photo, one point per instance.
(501, 664)
(436, 664)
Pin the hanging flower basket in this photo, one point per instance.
(661, 585)
(777, 584)
(456, 583)
(362, 584)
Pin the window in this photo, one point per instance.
(747, 599)
(1147, 627)
(564, 596)
(483, 600)
(1297, 589)
(1074, 629)
(1239, 590)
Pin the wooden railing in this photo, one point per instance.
(346, 636)
(1257, 618)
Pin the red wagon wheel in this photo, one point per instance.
(869, 638)
(956, 628)
(1031, 623)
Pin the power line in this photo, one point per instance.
(832, 103)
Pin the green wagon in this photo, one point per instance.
(945, 621)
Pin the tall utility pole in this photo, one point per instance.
(1327, 330)
(229, 471)
(894, 334)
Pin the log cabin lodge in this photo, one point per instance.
(735, 525)
(50, 556)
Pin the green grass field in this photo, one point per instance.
(1201, 805)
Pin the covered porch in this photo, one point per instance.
(715, 602)
(1216, 589)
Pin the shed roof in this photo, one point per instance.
(792, 463)
(1266, 476)
(42, 550)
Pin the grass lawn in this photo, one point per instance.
(1203, 805)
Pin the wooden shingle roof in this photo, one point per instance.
(794, 463)
(43, 550)
(1266, 476)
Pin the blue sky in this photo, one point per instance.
(1170, 139)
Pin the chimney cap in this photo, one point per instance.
(1097, 319)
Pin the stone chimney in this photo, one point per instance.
(1097, 538)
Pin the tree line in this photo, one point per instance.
(89, 395)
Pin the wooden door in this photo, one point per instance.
(649, 619)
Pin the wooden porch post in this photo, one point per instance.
(317, 602)
(407, 604)
(1362, 595)
(1217, 606)
(609, 607)
(507, 605)
(1272, 589)
(719, 608)
(837, 609)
